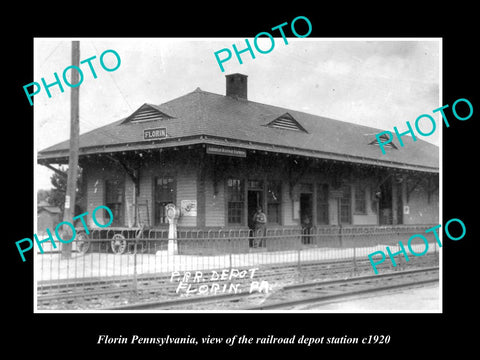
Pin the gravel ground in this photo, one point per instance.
(420, 299)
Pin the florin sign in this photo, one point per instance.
(158, 133)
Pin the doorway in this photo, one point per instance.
(254, 199)
(306, 214)
(399, 213)
(385, 203)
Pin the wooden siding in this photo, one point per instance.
(370, 217)
(185, 186)
(421, 211)
(186, 190)
(214, 204)
(287, 206)
(145, 197)
(95, 175)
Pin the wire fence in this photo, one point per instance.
(134, 252)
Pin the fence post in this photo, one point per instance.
(340, 235)
(135, 288)
(299, 265)
(354, 258)
(400, 260)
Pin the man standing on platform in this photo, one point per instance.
(259, 223)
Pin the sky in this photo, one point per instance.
(380, 83)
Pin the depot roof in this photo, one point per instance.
(201, 117)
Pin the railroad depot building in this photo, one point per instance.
(218, 157)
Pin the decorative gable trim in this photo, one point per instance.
(146, 113)
(286, 122)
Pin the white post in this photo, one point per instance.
(172, 215)
(172, 236)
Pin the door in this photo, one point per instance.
(114, 199)
(306, 213)
(399, 219)
(385, 203)
(254, 199)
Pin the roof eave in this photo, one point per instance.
(61, 156)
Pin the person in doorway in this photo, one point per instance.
(306, 229)
(259, 226)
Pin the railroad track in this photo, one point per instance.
(298, 294)
(325, 291)
(101, 293)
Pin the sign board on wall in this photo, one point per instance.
(157, 133)
(188, 207)
(227, 151)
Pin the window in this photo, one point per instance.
(305, 188)
(164, 194)
(322, 204)
(274, 201)
(114, 197)
(360, 200)
(255, 185)
(346, 205)
(235, 201)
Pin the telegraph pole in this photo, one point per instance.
(69, 210)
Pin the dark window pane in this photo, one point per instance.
(255, 184)
(164, 194)
(274, 200)
(235, 212)
(114, 196)
(322, 204)
(346, 205)
(273, 213)
(360, 200)
(235, 201)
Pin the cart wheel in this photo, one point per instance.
(83, 243)
(119, 244)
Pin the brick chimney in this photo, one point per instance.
(237, 86)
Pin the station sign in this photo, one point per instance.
(227, 151)
(152, 134)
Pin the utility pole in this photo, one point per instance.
(69, 210)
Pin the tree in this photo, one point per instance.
(43, 195)
(57, 193)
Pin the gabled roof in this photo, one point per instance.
(204, 117)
